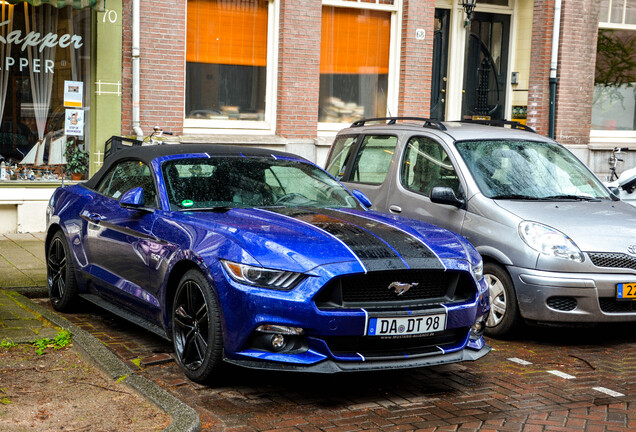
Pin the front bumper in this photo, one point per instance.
(571, 297)
(333, 366)
(336, 339)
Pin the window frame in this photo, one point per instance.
(604, 138)
(355, 151)
(111, 172)
(460, 192)
(249, 127)
(393, 80)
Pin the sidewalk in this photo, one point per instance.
(22, 262)
(23, 269)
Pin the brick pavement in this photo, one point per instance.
(508, 390)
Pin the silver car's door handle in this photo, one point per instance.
(395, 209)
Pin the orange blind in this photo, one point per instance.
(232, 32)
(354, 41)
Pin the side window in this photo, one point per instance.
(426, 165)
(340, 155)
(125, 176)
(373, 159)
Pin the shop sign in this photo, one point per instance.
(74, 122)
(37, 41)
(73, 93)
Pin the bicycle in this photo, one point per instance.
(613, 161)
(157, 132)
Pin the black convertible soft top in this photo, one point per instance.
(147, 153)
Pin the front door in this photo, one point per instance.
(486, 67)
(440, 64)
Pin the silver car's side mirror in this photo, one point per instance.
(445, 195)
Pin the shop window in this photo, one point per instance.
(354, 63)
(614, 104)
(43, 51)
(226, 60)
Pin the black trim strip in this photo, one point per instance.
(414, 252)
(373, 252)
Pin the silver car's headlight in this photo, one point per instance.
(262, 277)
(478, 271)
(549, 241)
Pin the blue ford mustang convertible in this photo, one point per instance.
(261, 259)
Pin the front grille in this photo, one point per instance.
(373, 289)
(385, 348)
(611, 305)
(613, 260)
(562, 303)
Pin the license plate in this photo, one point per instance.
(406, 326)
(626, 291)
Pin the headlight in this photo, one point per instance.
(478, 271)
(549, 241)
(262, 277)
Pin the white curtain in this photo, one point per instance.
(43, 20)
(5, 51)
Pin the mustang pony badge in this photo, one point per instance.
(401, 287)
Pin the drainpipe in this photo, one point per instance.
(554, 64)
(135, 69)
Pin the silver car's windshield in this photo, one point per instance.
(219, 183)
(529, 170)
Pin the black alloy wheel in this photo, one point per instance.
(60, 274)
(196, 327)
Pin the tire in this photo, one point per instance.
(60, 274)
(196, 328)
(504, 317)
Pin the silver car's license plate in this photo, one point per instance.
(403, 326)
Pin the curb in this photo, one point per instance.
(184, 418)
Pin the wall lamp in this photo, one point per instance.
(469, 8)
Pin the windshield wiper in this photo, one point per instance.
(571, 197)
(516, 197)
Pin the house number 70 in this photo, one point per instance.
(111, 15)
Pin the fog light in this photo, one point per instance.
(478, 327)
(278, 342)
(280, 330)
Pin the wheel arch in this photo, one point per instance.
(176, 273)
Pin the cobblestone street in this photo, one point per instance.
(547, 379)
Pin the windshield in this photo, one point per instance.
(227, 182)
(529, 170)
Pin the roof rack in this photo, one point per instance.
(513, 124)
(392, 120)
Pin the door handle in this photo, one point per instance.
(395, 209)
(95, 218)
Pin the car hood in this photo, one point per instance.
(602, 226)
(302, 239)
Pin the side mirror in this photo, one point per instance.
(134, 198)
(613, 189)
(445, 195)
(362, 198)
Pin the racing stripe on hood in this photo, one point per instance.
(372, 251)
(412, 250)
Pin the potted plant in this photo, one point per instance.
(76, 160)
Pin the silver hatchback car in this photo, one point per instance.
(557, 245)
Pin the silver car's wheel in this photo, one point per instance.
(504, 312)
(497, 300)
